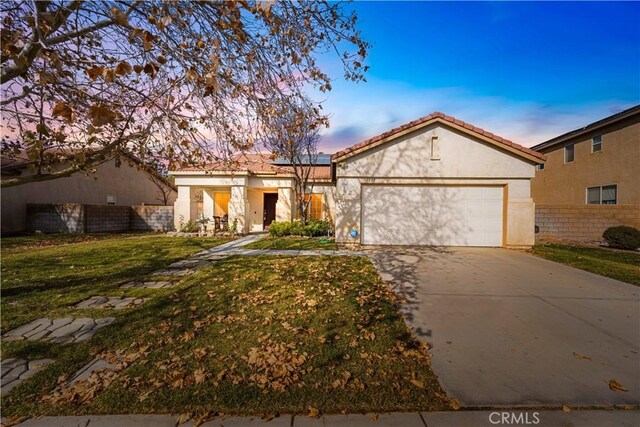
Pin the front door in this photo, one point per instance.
(269, 213)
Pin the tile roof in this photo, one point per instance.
(257, 163)
(444, 118)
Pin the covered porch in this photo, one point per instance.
(253, 202)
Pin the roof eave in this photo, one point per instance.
(607, 121)
(540, 158)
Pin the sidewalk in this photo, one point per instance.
(236, 247)
(591, 418)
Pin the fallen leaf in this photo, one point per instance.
(144, 396)
(455, 405)
(566, 408)
(200, 376)
(616, 386)
(580, 356)
(417, 383)
(313, 412)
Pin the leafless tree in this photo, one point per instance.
(184, 82)
(157, 177)
(294, 136)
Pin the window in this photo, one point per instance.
(221, 204)
(596, 143)
(609, 194)
(315, 207)
(568, 153)
(111, 199)
(314, 211)
(540, 167)
(605, 195)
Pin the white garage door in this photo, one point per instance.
(432, 215)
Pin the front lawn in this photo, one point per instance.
(258, 335)
(619, 265)
(45, 281)
(41, 240)
(293, 243)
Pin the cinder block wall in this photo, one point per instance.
(63, 218)
(151, 218)
(76, 218)
(107, 219)
(582, 223)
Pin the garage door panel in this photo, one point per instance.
(432, 215)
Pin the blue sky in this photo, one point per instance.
(527, 71)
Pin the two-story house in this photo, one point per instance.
(591, 179)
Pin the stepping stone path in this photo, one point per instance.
(111, 302)
(172, 272)
(62, 331)
(14, 371)
(190, 263)
(148, 285)
(85, 372)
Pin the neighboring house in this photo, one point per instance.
(115, 182)
(591, 179)
(434, 181)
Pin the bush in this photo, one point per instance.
(188, 227)
(622, 237)
(317, 228)
(287, 228)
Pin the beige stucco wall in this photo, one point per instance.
(617, 163)
(463, 160)
(247, 197)
(130, 185)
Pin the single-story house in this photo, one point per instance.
(434, 181)
(121, 180)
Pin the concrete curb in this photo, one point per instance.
(542, 418)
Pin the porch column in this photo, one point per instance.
(239, 207)
(185, 206)
(284, 206)
(208, 203)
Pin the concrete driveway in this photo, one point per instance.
(508, 328)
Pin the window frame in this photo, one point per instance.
(320, 198)
(115, 200)
(540, 167)
(573, 153)
(593, 144)
(600, 189)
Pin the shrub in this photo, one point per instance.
(287, 228)
(281, 228)
(316, 228)
(189, 227)
(622, 237)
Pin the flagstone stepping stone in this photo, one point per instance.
(189, 263)
(62, 331)
(148, 285)
(117, 303)
(14, 371)
(172, 272)
(211, 257)
(85, 372)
